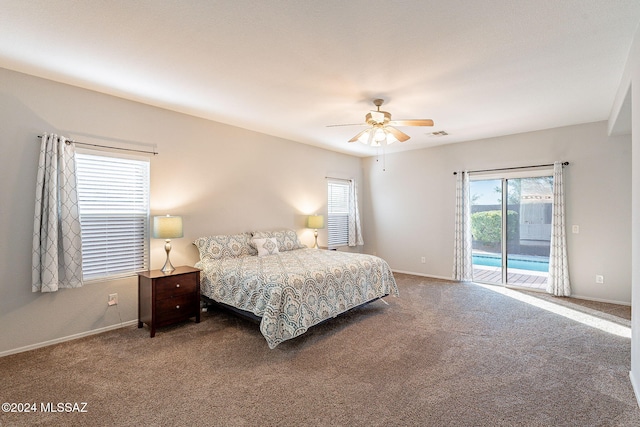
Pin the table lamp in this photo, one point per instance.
(315, 222)
(167, 227)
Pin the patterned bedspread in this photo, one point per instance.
(296, 289)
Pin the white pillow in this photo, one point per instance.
(266, 246)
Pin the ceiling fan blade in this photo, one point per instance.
(415, 122)
(400, 136)
(355, 138)
(349, 124)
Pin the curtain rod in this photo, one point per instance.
(337, 179)
(69, 141)
(517, 167)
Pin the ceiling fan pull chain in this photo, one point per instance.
(384, 160)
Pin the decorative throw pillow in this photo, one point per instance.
(266, 246)
(287, 239)
(225, 246)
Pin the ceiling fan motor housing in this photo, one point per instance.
(378, 118)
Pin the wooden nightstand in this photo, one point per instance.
(164, 299)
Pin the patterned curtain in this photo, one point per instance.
(462, 250)
(558, 281)
(57, 243)
(355, 232)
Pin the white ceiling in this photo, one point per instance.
(289, 68)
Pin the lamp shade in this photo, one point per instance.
(390, 137)
(366, 136)
(315, 221)
(167, 227)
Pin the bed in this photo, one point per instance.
(286, 286)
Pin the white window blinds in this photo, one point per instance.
(337, 213)
(113, 198)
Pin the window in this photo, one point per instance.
(338, 213)
(113, 199)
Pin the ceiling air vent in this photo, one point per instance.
(439, 133)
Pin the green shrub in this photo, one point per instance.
(486, 226)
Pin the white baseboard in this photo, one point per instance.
(636, 390)
(68, 338)
(424, 275)
(609, 301)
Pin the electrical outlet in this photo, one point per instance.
(575, 229)
(599, 278)
(113, 299)
(423, 260)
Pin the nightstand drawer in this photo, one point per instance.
(173, 309)
(168, 287)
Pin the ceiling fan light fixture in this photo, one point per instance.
(390, 138)
(382, 131)
(380, 135)
(365, 137)
(370, 139)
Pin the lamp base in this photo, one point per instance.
(315, 233)
(168, 267)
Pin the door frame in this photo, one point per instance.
(504, 176)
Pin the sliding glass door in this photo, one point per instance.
(486, 228)
(529, 230)
(511, 227)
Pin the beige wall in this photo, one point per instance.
(410, 209)
(221, 179)
(630, 85)
(635, 321)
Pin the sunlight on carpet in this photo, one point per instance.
(569, 313)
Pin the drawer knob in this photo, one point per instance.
(177, 306)
(178, 285)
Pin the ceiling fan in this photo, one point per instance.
(381, 130)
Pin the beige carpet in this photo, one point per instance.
(443, 354)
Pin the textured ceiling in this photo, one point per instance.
(289, 68)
